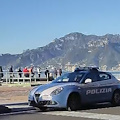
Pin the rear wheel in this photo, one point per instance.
(73, 102)
(116, 98)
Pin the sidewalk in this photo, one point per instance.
(15, 96)
(16, 93)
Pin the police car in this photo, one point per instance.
(72, 90)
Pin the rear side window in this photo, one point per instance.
(104, 76)
(93, 76)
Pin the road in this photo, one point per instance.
(96, 112)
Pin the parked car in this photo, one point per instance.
(72, 90)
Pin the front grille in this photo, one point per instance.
(37, 97)
(43, 102)
(47, 103)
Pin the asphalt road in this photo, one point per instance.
(93, 112)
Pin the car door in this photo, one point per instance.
(105, 86)
(89, 90)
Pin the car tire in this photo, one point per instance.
(116, 98)
(73, 102)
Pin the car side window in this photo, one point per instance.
(93, 76)
(104, 76)
(78, 77)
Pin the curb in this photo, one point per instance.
(14, 104)
(15, 107)
(4, 109)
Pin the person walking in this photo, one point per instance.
(11, 71)
(26, 72)
(1, 73)
(39, 71)
(11, 74)
(19, 72)
(60, 72)
(55, 73)
(31, 71)
(47, 73)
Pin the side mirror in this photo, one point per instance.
(88, 80)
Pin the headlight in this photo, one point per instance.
(57, 91)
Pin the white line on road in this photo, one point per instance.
(85, 115)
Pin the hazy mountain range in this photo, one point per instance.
(76, 48)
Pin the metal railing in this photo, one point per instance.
(18, 77)
(21, 77)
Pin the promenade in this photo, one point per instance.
(15, 93)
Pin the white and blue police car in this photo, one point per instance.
(72, 90)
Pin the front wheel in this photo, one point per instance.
(116, 98)
(73, 102)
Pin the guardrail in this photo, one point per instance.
(18, 77)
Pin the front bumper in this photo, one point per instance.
(42, 103)
(40, 100)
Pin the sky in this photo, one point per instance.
(29, 24)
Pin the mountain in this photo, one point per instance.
(75, 48)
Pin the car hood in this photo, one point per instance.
(48, 88)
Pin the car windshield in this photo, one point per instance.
(69, 77)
